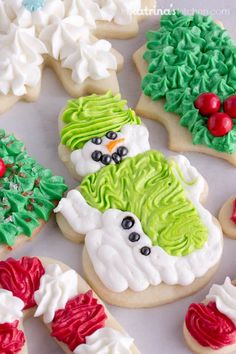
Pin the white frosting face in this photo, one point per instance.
(119, 263)
(91, 60)
(56, 288)
(20, 60)
(133, 137)
(62, 36)
(11, 307)
(106, 340)
(225, 298)
(81, 216)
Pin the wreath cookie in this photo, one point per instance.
(74, 315)
(28, 194)
(210, 327)
(227, 217)
(188, 83)
(148, 238)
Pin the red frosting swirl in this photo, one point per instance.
(210, 327)
(233, 217)
(12, 339)
(22, 277)
(81, 317)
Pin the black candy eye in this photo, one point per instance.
(116, 158)
(97, 141)
(134, 237)
(106, 159)
(96, 155)
(145, 251)
(111, 135)
(128, 222)
(122, 151)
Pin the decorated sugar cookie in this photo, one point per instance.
(53, 33)
(210, 327)
(28, 194)
(188, 84)
(74, 315)
(227, 217)
(148, 239)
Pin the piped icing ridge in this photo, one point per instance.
(76, 319)
(213, 324)
(28, 191)
(187, 56)
(93, 116)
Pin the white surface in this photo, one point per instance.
(157, 330)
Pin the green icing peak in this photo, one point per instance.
(28, 191)
(187, 56)
(93, 116)
(146, 186)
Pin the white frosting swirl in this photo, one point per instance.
(56, 288)
(134, 137)
(10, 307)
(20, 60)
(81, 216)
(119, 11)
(106, 340)
(61, 36)
(91, 60)
(225, 298)
(40, 18)
(5, 21)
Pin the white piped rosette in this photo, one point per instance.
(60, 29)
(57, 289)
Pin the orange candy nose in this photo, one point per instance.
(112, 144)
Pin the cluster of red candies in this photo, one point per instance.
(209, 105)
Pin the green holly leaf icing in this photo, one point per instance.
(187, 56)
(146, 186)
(28, 191)
(94, 115)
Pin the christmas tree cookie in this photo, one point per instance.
(148, 239)
(210, 327)
(227, 217)
(189, 84)
(75, 317)
(28, 194)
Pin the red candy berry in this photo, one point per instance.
(219, 124)
(230, 106)
(2, 168)
(208, 103)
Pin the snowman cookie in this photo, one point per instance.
(227, 217)
(188, 84)
(73, 314)
(210, 327)
(34, 34)
(148, 239)
(28, 194)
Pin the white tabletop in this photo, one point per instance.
(157, 330)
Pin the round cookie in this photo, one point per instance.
(29, 193)
(210, 327)
(175, 66)
(227, 217)
(74, 315)
(148, 239)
